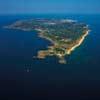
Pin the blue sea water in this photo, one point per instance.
(23, 77)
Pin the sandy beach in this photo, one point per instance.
(79, 43)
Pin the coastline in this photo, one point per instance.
(68, 51)
(40, 34)
(79, 43)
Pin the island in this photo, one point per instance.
(64, 34)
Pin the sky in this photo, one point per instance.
(49, 6)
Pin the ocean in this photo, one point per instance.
(23, 77)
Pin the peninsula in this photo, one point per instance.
(65, 35)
